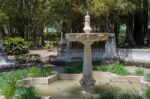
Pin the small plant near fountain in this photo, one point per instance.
(115, 95)
(25, 93)
(114, 68)
(8, 80)
(147, 93)
(74, 68)
(49, 45)
(118, 95)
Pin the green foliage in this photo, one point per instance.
(49, 45)
(37, 72)
(147, 74)
(3, 17)
(25, 93)
(114, 68)
(129, 96)
(139, 71)
(107, 95)
(8, 80)
(74, 68)
(51, 35)
(15, 46)
(147, 93)
(28, 57)
(114, 95)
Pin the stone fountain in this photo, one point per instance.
(87, 39)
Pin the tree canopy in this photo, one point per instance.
(27, 18)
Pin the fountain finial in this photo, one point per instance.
(87, 28)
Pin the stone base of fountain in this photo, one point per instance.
(88, 86)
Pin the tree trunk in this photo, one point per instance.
(129, 31)
(116, 30)
(139, 27)
(145, 20)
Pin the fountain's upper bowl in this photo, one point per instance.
(87, 37)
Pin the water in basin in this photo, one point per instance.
(70, 89)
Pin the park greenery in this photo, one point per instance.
(49, 45)
(8, 81)
(113, 68)
(28, 58)
(15, 46)
(25, 93)
(114, 95)
(22, 25)
(28, 19)
(8, 87)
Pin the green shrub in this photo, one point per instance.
(74, 68)
(107, 95)
(114, 68)
(8, 80)
(27, 57)
(37, 72)
(129, 96)
(25, 93)
(51, 35)
(139, 71)
(147, 93)
(15, 46)
(7, 89)
(49, 45)
(8, 83)
(114, 95)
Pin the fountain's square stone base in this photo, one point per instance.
(88, 86)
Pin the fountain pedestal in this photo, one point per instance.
(87, 82)
(87, 39)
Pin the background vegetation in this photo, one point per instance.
(15, 46)
(28, 19)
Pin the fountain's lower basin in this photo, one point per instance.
(70, 89)
(66, 86)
